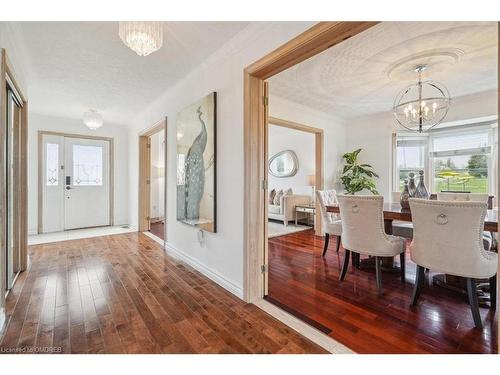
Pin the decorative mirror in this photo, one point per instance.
(284, 164)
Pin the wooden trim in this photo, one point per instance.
(318, 161)
(145, 174)
(111, 193)
(24, 187)
(20, 222)
(3, 187)
(144, 186)
(313, 41)
(294, 125)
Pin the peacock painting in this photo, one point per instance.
(196, 164)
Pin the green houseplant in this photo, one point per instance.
(357, 177)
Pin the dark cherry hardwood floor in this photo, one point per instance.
(158, 229)
(352, 312)
(123, 294)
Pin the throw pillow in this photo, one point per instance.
(288, 192)
(277, 197)
(272, 193)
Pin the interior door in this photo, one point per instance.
(86, 183)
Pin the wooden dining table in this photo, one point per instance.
(394, 211)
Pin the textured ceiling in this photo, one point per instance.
(359, 76)
(81, 65)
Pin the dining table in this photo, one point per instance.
(394, 211)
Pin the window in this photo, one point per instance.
(411, 156)
(461, 161)
(87, 165)
(52, 164)
(452, 160)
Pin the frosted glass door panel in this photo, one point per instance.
(86, 183)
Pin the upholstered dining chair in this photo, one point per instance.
(448, 238)
(363, 233)
(332, 225)
(469, 197)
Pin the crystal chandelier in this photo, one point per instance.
(141, 37)
(422, 106)
(92, 119)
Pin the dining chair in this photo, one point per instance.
(332, 225)
(363, 233)
(401, 228)
(469, 197)
(448, 238)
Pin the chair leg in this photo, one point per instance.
(402, 260)
(338, 243)
(327, 240)
(378, 273)
(345, 266)
(493, 292)
(419, 283)
(473, 302)
(353, 261)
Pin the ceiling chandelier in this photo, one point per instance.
(422, 106)
(141, 37)
(92, 119)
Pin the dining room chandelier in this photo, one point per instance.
(141, 37)
(423, 105)
(92, 119)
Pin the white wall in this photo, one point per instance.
(16, 53)
(157, 202)
(58, 124)
(221, 256)
(302, 143)
(373, 133)
(334, 133)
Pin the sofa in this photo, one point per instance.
(285, 210)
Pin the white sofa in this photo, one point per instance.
(285, 211)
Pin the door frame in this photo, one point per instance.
(8, 79)
(311, 42)
(145, 176)
(318, 158)
(41, 133)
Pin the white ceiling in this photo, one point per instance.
(82, 65)
(352, 79)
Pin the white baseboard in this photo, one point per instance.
(208, 272)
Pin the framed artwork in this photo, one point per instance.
(196, 164)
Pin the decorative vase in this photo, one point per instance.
(412, 188)
(421, 189)
(404, 197)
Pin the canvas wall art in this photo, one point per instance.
(196, 164)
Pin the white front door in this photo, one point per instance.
(76, 183)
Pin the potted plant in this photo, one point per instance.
(357, 177)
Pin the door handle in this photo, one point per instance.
(68, 187)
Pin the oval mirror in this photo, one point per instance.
(284, 164)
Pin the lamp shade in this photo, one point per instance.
(311, 179)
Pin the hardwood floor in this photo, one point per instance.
(123, 294)
(352, 312)
(158, 229)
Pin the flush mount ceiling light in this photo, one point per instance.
(92, 119)
(141, 37)
(423, 105)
